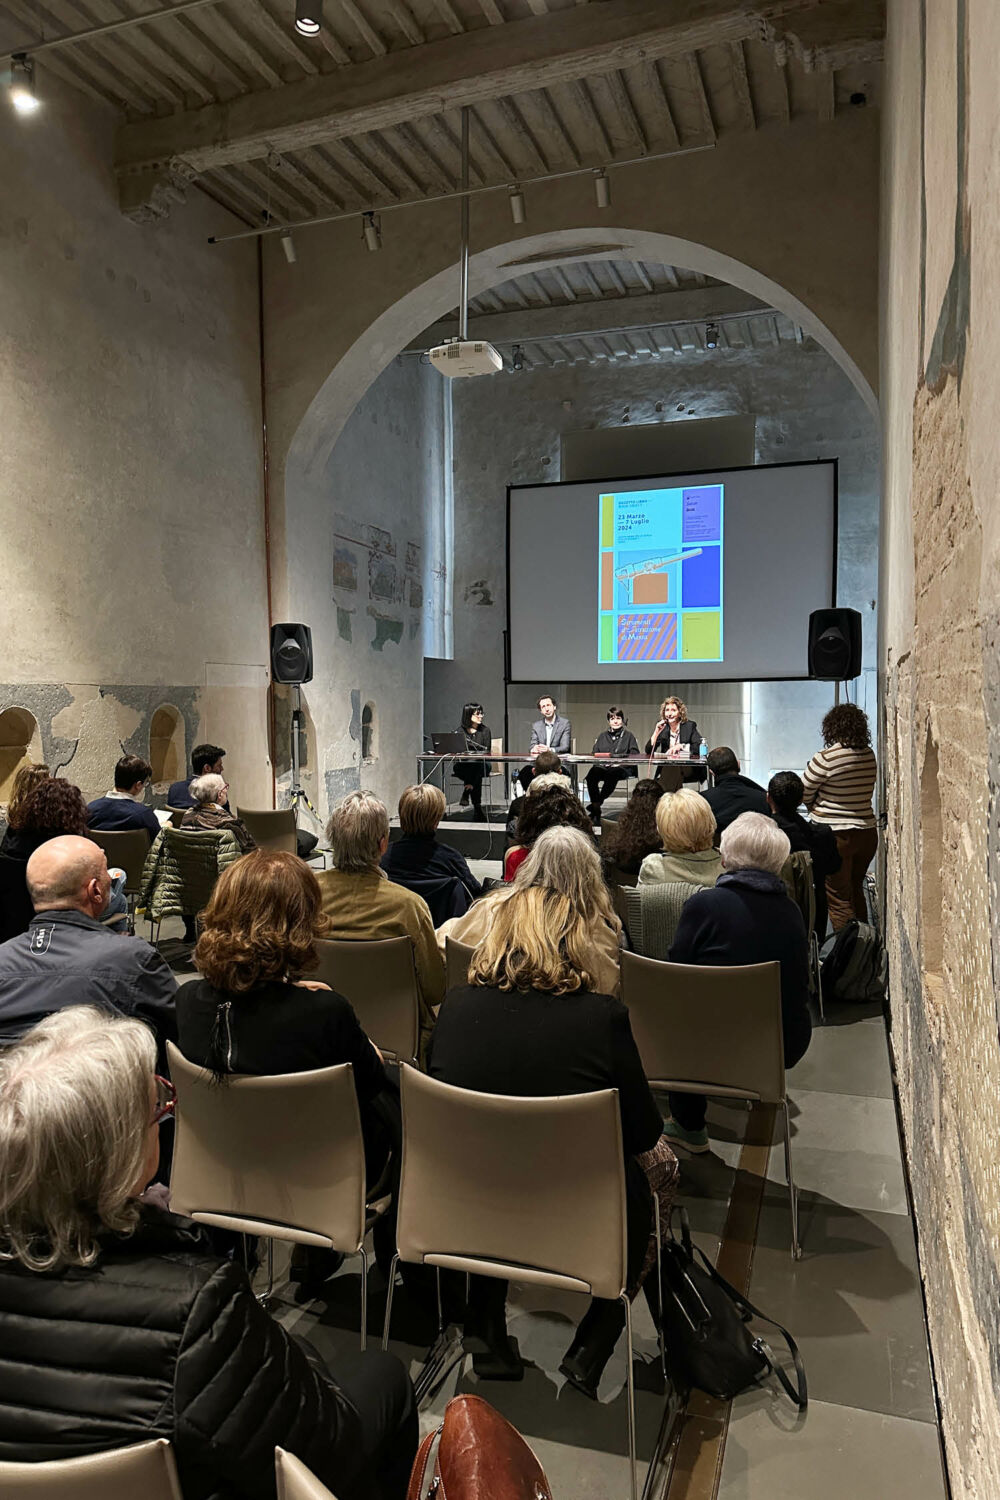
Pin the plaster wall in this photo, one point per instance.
(941, 571)
(130, 493)
(508, 429)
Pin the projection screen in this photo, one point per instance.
(703, 577)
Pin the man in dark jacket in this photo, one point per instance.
(784, 796)
(122, 808)
(205, 760)
(67, 957)
(732, 793)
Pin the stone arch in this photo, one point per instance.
(167, 750)
(20, 741)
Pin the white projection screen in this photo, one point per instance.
(694, 577)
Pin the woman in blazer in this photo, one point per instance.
(673, 731)
(472, 772)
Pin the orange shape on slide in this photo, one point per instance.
(607, 580)
(651, 588)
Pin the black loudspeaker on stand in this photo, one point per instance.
(291, 654)
(835, 644)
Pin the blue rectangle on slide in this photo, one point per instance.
(700, 581)
(703, 514)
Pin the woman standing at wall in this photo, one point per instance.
(838, 784)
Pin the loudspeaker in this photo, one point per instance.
(291, 653)
(834, 644)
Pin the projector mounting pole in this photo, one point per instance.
(463, 301)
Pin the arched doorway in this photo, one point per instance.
(20, 741)
(166, 745)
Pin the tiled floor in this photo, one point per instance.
(852, 1302)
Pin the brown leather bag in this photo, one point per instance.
(476, 1455)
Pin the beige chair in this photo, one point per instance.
(147, 1469)
(177, 815)
(295, 1481)
(532, 1189)
(270, 829)
(378, 977)
(281, 1157)
(457, 957)
(127, 848)
(705, 1030)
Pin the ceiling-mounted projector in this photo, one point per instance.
(466, 357)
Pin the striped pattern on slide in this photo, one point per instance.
(647, 637)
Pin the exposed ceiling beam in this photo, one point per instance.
(491, 62)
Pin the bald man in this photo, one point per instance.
(67, 957)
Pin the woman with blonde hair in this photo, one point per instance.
(686, 825)
(674, 733)
(533, 1021)
(133, 1327)
(562, 859)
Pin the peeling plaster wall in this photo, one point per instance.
(940, 586)
(358, 578)
(508, 429)
(130, 488)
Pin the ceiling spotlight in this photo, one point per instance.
(712, 336)
(517, 209)
(22, 84)
(308, 16)
(517, 357)
(372, 230)
(288, 245)
(602, 187)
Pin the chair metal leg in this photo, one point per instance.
(388, 1301)
(364, 1297)
(439, 1302)
(264, 1297)
(630, 1386)
(793, 1196)
(659, 1289)
(818, 975)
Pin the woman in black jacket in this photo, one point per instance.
(529, 1023)
(472, 772)
(747, 917)
(784, 795)
(117, 1325)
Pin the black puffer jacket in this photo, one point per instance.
(162, 1339)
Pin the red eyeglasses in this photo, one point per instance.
(166, 1099)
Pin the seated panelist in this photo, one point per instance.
(617, 740)
(550, 732)
(674, 734)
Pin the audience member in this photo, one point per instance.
(784, 796)
(205, 760)
(363, 904)
(732, 793)
(562, 859)
(838, 784)
(547, 766)
(134, 1329)
(748, 918)
(26, 778)
(635, 835)
(533, 1021)
(211, 810)
(67, 957)
(418, 861)
(546, 807)
(686, 826)
(614, 742)
(123, 808)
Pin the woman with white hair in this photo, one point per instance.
(686, 825)
(209, 811)
(561, 859)
(747, 918)
(117, 1322)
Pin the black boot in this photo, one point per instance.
(593, 1345)
(478, 813)
(466, 796)
(495, 1354)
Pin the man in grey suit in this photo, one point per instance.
(550, 732)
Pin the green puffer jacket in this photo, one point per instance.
(181, 869)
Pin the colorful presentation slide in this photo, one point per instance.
(660, 590)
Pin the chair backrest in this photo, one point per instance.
(652, 913)
(147, 1469)
(177, 816)
(197, 851)
(270, 829)
(536, 1186)
(378, 977)
(797, 873)
(280, 1156)
(707, 1030)
(295, 1481)
(457, 958)
(496, 748)
(127, 848)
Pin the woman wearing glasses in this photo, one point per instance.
(131, 1327)
(472, 771)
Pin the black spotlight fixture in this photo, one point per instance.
(308, 17)
(712, 336)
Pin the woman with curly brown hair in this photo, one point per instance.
(547, 807)
(27, 777)
(635, 835)
(838, 784)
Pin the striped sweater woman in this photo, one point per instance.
(839, 782)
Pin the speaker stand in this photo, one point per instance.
(298, 795)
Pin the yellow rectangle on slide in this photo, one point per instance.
(700, 637)
(607, 520)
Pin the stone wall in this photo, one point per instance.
(940, 574)
(131, 519)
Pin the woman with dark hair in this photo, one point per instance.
(546, 807)
(472, 772)
(837, 790)
(784, 796)
(635, 835)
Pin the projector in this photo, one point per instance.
(465, 357)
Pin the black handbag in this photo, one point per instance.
(707, 1342)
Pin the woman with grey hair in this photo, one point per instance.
(746, 918)
(131, 1327)
(209, 811)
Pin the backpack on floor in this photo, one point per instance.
(855, 966)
